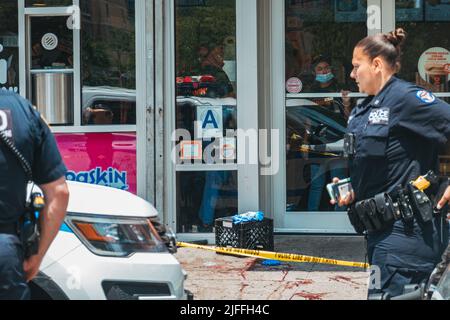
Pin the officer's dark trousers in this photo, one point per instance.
(12, 281)
(406, 254)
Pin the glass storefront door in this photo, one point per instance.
(210, 106)
(206, 109)
(319, 94)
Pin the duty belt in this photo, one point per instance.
(380, 212)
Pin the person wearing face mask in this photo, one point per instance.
(325, 82)
(394, 136)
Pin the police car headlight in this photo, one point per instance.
(116, 237)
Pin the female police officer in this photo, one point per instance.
(397, 131)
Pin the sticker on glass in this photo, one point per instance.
(49, 41)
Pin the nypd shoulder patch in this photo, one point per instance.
(425, 96)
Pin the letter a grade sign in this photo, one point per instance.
(209, 122)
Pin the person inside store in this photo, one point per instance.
(59, 57)
(395, 136)
(212, 63)
(326, 82)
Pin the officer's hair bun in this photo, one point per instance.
(385, 45)
(397, 38)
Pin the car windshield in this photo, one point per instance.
(322, 125)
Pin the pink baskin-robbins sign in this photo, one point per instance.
(107, 159)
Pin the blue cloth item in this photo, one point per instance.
(248, 217)
(271, 263)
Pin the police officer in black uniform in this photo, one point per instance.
(22, 125)
(394, 137)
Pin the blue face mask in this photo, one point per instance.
(324, 78)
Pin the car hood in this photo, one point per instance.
(93, 199)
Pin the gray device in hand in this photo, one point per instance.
(339, 190)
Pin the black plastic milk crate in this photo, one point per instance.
(254, 235)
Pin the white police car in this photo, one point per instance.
(108, 248)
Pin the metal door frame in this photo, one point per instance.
(382, 16)
(247, 108)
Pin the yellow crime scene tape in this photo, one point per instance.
(286, 257)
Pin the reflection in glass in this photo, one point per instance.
(206, 48)
(327, 29)
(206, 69)
(220, 113)
(108, 62)
(206, 110)
(314, 154)
(409, 10)
(203, 197)
(320, 38)
(9, 50)
(108, 106)
(427, 49)
(51, 43)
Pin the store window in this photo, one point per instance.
(9, 49)
(108, 58)
(51, 54)
(206, 111)
(52, 43)
(426, 59)
(320, 38)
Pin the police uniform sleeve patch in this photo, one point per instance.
(380, 116)
(425, 96)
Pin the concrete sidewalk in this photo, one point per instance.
(213, 276)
